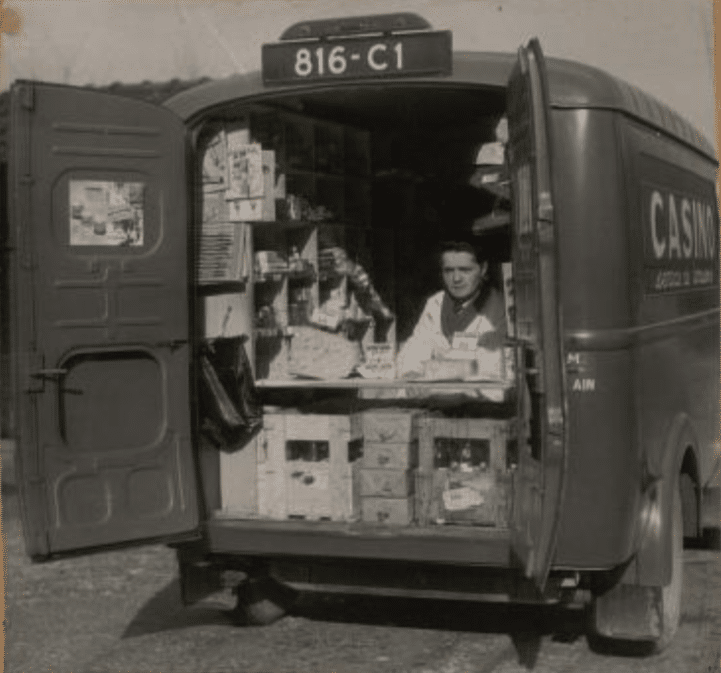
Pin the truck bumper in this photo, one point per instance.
(447, 545)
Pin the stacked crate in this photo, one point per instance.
(308, 466)
(464, 471)
(390, 458)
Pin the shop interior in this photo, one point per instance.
(321, 219)
(338, 250)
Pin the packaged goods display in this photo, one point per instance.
(298, 224)
(317, 353)
(390, 459)
(295, 185)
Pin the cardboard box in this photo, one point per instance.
(308, 466)
(391, 511)
(391, 456)
(391, 425)
(386, 483)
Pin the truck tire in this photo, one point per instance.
(671, 594)
(262, 601)
(668, 600)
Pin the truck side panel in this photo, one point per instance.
(674, 223)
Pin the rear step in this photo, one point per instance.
(435, 544)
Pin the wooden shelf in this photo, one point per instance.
(215, 286)
(294, 224)
(383, 383)
(333, 176)
(270, 277)
(270, 332)
(308, 275)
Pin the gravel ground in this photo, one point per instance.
(121, 612)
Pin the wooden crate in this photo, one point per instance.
(463, 476)
(308, 466)
(386, 483)
(437, 436)
(391, 511)
(384, 426)
(478, 498)
(398, 456)
(238, 481)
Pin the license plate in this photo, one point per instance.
(358, 58)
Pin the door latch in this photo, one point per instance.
(49, 374)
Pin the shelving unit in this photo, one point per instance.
(321, 191)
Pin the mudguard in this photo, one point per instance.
(652, 563)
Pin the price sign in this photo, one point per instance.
(358, 58)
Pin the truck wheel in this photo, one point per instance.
(616, 614)
(262, 601)
(671, 593)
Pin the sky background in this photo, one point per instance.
(662, 46)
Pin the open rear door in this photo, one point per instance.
(541, 470)
(100, 283)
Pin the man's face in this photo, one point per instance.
(462, 274)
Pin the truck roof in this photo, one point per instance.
(571, 85)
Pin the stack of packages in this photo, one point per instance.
(238, 187)
(390, 458)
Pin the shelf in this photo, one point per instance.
(270, 277)
(294, 224)
(308, 275)
(211, 286)
(342, 175)
(383, 383)
(270, 332)
(304, 274)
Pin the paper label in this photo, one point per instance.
(245, 210)
(215, 167)
(245, 171)
(463, 341)
(461, 498)
(317, 480)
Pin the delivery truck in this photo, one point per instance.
(218, 367)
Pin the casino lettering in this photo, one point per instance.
(681, 227)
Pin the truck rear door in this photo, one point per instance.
(542, 458)
(100, 282)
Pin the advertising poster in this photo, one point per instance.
(106, 213)
(215, 167)
(245, 171)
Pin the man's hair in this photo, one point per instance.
(460, 246)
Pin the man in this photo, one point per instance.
(468, 308)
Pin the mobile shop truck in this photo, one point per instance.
(208, 296)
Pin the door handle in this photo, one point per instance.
(50, 374)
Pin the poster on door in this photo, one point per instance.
(106, 213)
